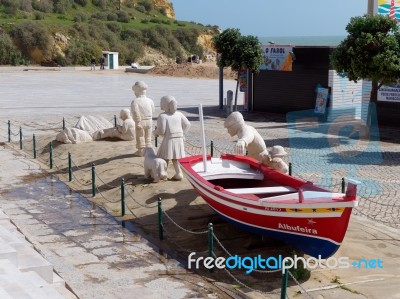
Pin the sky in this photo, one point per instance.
(273, 18)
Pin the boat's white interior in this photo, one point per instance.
(307, 195)
(225, 169)
(261, 190)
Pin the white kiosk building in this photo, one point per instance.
(111, 60)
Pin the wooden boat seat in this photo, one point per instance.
(261, 190)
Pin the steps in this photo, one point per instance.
(24, 273)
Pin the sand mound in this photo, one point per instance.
(192, 70)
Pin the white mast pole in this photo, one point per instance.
(203, 137)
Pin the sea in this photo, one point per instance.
(333, 40)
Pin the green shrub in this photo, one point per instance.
(80, 52)
(140, 8)
(114, 27)
(62, 6)
(112, 16)
(42, 5)
(144, 21)
(60, 60)
(122, 16)
(147, 4)
(79, 17)
(81, 2)
(100, 3)
(11, 6)
(100, 16)
(39, 15)
(9, 54)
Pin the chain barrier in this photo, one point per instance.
(228, 253)
(106, 199)
(105, 184)
(184, 229)
(142, 205)
(303, 290)
(170, 239)
(80, 169)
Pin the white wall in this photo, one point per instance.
(345, 94)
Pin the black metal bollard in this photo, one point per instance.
(20, 138)
(160, 224)
(115, 121)
(343, 185)
(290, 168)
(63, 123)
(284, 283)
(69, 167)
(212, 148)
(122, 197)
(210, 242)
(34, 146)
(93, 180)
(9, 131)
(51, 155)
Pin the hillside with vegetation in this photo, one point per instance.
(71, 32)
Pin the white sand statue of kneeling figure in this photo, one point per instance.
(142, 109)
(172, 125)
(126, 131)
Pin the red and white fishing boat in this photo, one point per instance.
(267, 202)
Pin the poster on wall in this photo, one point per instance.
(321, 100)
(389, 7)
(389, 93)
(277, 58)
(243, 80)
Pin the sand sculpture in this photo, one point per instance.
(126, 131)
(83, 131)
(251, 140)
(154, 167)
(172, 125)
(142, 109)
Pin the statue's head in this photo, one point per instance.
(164, 102)
(233, 122)
(125, 114)
(139, 88)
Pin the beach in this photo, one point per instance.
(39, 110)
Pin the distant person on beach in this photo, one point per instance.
(102, 61)
(173, 126)
(93, 64)
(142, 109)
(248, 136)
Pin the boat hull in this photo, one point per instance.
(317, 229)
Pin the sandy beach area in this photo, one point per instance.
(115, 161)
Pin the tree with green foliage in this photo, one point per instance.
(239, 52)
(371, 52)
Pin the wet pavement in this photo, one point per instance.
(96, 255)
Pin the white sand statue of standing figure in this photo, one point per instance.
(249, 138)
(126, 131)
(172, 125)
(142, 109)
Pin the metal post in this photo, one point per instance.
(155, 141)
(63, 123)
(51, 155)
(221, 87)
(34, 146)
(284, 283)
(93, 180)
(115, 121)
(290, 168)
(20, 138)
(9, 131)
(160, 225)
(229, 102)
(210, 241)
(343, 185)
(212, 149)
(69, 167)
(122, 197)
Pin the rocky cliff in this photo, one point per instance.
(167, 6)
